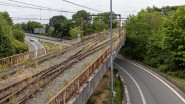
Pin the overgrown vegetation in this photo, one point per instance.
(101, 95)
(11, 37)
(4, 76)
(156, 37)
(118, 90)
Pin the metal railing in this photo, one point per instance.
(74, 86)
(11, 61)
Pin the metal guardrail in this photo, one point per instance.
(74, 86)
(11, 61)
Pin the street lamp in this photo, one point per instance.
(111, 58)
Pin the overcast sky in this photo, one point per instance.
(124, 7)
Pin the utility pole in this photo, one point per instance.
(82, 24)
(119, 25)
(10, 34)
(111, 58)
(40, 28)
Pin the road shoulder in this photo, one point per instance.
(154, 71)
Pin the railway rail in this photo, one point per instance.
(26, 88)
(49, 56)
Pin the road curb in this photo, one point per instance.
(126, 98)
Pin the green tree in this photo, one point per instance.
(18, 34)
(174, 30)
(33, 24)
(56, 22)
(156, 36)
(6, 48)
(7, 17)
(74, 32)
(99, 24)
(66, 27)
(83, 20)
(10, 33)
(22, 26)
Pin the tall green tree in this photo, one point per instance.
(6, 48)
(174, 30)
(11, 37)
(83, 20)
(156, 36)
(33, 24)
(56, 22)
(66, 27)
(101, 22)
(7, 17)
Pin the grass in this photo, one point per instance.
(1, 67)
(12, 100)
(65, 82)
(32, 60)
(178, 81)
(101, 94)
(5, 76)
(118, 90)
(97, 93)
(49, 96)
(51, 47)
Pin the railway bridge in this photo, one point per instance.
(80, 89)
(69, 75)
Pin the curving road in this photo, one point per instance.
(34, 45)
(144, 87)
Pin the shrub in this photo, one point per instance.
(163, 68)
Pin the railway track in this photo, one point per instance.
(49, 56)
(25, 89)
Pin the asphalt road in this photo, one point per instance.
(145, 87)
(46, 39)
(34, 45)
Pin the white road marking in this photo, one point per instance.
(28, 44)
(141, 93)
(183, 100)
(41, 46)
(35, 48)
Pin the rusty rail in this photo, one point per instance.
(11, 61)
(73, 87)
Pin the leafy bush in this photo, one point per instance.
(179, 74)
(74, 32)
(18, 34)
(163, 68)
(20, 47)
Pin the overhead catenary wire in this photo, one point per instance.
(20, 6)
(33, 6)
(82, 6)
(21, 18)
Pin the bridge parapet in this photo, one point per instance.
(11, 61)
(73, 88)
